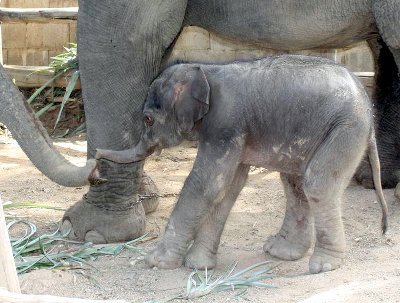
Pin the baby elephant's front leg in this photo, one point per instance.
(170, 251)
(205, 186)
(203, 252)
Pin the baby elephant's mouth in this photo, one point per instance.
(157, 150)
(151, 150)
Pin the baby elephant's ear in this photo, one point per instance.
(196, 103)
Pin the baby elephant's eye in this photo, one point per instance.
(148, 120)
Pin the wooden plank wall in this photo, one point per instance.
(34, 43)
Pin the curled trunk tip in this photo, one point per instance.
(74, 176)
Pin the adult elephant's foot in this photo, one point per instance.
(363, 175)
(200, 257)
(164, 257)
(113, 211)
(87, 222)
(323, 260)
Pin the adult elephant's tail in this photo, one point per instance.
(16, 114)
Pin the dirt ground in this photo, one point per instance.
(370, 273)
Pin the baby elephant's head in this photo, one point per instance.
(177, 100)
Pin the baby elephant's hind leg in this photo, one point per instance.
(294, 238)
(327, 175)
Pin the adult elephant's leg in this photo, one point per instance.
(387, 95)
(387, 15)
(294, 238)
(387, 114)
(203, 253)
(120, 47)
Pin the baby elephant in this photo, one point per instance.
(305, 117)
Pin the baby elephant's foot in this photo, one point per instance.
(325, 260)
(280, 247)
(165, 258)
(199, 257)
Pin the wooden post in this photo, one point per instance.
(8, 273)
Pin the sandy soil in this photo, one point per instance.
(370, 273)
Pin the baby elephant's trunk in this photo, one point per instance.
(135, 154)
(376, 175)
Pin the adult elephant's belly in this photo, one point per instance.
(286, 24)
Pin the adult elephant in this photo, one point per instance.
(121, 47)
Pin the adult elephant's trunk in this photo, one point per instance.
(34, 141)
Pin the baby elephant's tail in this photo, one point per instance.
(376, 175)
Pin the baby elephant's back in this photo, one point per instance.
(303, 99)
(315, 89)
(318, 78)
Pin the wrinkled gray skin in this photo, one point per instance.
(121, 45)
(16, 114)
(305, 117)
